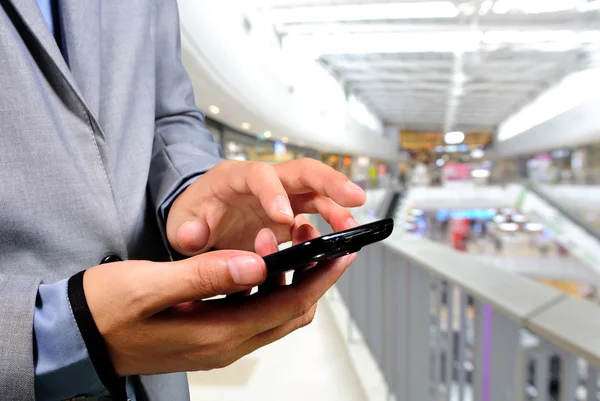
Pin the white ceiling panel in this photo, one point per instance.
(442, 64)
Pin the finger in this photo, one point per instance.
(187, 232)
(192, 236)
(266, 244)
(303, 233)
(299, 234)
(307, 175)
(187, 228)
(338, 217)
(162, 285)
(260, 313)
(258, 179)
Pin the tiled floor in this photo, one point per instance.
(310, 364)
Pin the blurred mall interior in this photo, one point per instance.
(476, 125)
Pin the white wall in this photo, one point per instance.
(250, 79)
(565, 115)
(576, 127)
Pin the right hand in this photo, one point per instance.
(154, 320)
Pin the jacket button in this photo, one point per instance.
(111, 259)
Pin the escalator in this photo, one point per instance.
(580, 236)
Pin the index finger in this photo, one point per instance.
(307, 175)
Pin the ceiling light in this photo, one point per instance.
(267, 134)
(477, 154)
(454, 138)
(486, 7)
(214, 109)
(246, 126)
(534, 7)
(499, 219)
(534, 227)
(457, 91)
(519, 218)
(364, 12)
(459, 78)
(314, 46)
(509, 227)
(285, 139)
(480, 173)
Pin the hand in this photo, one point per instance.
(154, 317)
(228, 206)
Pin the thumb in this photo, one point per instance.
(187, 232)
(200, 277)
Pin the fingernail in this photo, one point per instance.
(353, 187)
(245, 270)
(351, 222)
(283, 205)
(187, 230)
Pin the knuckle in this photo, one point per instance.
(301, 306)
(261, 168)
(307, 319)
(306, 161)
(207, 279)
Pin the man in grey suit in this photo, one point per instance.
(107, 175)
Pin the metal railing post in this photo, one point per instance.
(419, 334)
(569, 377)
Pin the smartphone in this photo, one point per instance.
(328, 247)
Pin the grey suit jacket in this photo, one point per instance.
(88, 153)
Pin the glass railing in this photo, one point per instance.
(444, 326)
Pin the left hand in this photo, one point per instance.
(230, 204)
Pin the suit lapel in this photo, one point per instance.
(81, 24)
(30, 14)
(82, 30)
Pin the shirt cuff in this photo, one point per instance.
(164, 208)
(62, 365)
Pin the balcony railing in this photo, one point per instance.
(443, 326)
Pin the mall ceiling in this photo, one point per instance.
(442, 65)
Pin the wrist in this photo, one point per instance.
(93, 339)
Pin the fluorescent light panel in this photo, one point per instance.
(535, 7)
(364, 12)
(315, 46)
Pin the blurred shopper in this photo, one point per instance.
(104, 158)
(498, 243)
(436, 176)
(420, 175)
(402, 175)
(373, 176)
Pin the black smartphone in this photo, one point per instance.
(328, 247)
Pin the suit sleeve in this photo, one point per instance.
(183, 147)
(63, 368)
(17, 297)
